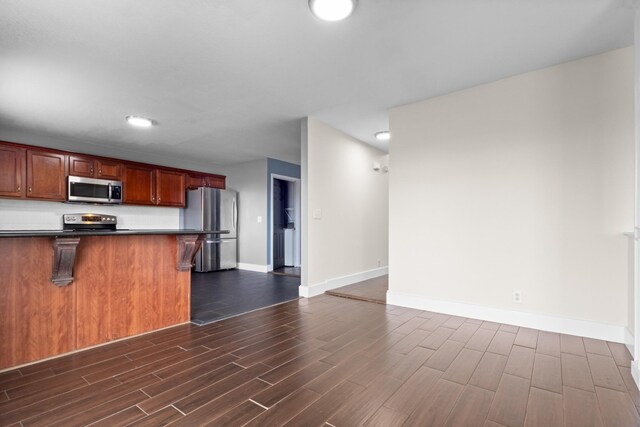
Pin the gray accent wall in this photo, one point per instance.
(248, 179)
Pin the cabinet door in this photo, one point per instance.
(81, 166)
(108, 169)
(12, 168)
(216, 181)
(170, 188)
(139, 185)
(46, 173)
(194, 181)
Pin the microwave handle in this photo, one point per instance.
(109, 192)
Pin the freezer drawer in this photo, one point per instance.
(216, 254)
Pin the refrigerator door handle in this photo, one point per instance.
(235, 213)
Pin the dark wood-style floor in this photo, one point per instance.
(331, 360)
(372, 290)
(288, 271)
(222, 294)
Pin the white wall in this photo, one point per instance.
(523, 184)
(40, 215)
(249, 179)
(349, 243)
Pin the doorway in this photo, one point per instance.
(285, 225)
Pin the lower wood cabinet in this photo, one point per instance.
(46, 175)
(113, 302)
(38, 318)
(123, 286)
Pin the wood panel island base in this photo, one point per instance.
(122, 285)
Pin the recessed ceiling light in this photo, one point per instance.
(384, 135)
(332, 10)
(138, 121)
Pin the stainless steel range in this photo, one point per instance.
(89, 221)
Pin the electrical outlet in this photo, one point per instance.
(517, 297)
(259, 219)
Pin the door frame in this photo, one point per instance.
(297, 201)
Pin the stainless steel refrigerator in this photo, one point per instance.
(213, 209)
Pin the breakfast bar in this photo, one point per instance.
(63, 290)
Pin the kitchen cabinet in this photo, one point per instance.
(107, 169)
(153, 186)
(94, 168)
(122, 286)
(139, 186)
(30, 172)
(81, 166)
(216, 181)
(46, 175)
(212, 181)
(37, 316)
(170, 188)
(196, 181)
(12, 171)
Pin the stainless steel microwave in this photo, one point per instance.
(91, 190)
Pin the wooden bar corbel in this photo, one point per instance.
(64, 257)
(188, 246)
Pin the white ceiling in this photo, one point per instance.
(229, 81)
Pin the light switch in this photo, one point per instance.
(317, 214)
(259, 219)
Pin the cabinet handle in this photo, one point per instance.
(29, 189)
(18, 189)
(153, 199)
(100, 171)
(91, 170)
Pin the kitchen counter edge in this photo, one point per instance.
(139, 232)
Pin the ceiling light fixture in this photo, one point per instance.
(141, 122)
(384, 135)
(332, 10)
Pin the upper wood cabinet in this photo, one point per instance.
(81, 166)
(38, 173)
(94, 168)
(46, 175)
(170, 188)
(12, 171)
(216, 181)
(213, 181)
(149, 186)
(139, 186)
(108, 169)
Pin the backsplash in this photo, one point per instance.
(40, 215)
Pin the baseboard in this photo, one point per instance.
(635, 372)
(254, 267)
(602, 331)
(336, 282)
(629, 340)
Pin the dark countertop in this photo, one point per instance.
(121, 232)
